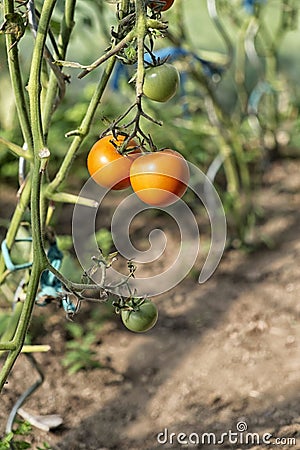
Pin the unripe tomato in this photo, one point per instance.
(161, 5)
(160, 178)
(141, 317)
(107, 166)
(161, 82)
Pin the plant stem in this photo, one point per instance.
(10, 330)
(39, 257)
(83, 129)
(65, 197)
(16, 80)
(39, 264)
(115, 49)
(141, 31)
(34, 83)
(63, 40)
(16, 149)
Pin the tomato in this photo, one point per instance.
(159, 178)
(161, 5)
(107, 166)
(161, 82)
(140, 317)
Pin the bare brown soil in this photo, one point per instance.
(221, 353)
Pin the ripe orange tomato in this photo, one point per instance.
(107, 166)
(160, 178)
(161, 5)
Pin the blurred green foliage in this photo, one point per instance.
(83, 339)
(15, 439)
(79, 355)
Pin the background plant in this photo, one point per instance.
(83, 339)
(16, 437)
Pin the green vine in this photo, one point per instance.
(35, 116)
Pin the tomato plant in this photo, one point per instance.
(159, 178)
(141, 316)
(161, 5)
(107, 166)
(161, 82)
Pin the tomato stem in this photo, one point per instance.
(141, 30)
(17, 81)
(84, 129)
(39, 162)
(114, 50)
(55, 82)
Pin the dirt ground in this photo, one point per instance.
(224, 356)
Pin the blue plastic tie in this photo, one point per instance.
(249, 5)
(51, 286)
(68, 305)
(7, 259)
(48, 279)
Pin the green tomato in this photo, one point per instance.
(161, 82)
(140, 317)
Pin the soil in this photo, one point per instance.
(223, 355)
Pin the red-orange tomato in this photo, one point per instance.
(107, 166)
(161, 5)
(160, 178)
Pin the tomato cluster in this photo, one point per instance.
(158, 178)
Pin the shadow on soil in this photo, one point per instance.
(163, 352)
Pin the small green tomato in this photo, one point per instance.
(161, 82)
(141, 317)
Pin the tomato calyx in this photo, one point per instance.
(156, 61)
(128, 304)
(122, 142)
(124, 148)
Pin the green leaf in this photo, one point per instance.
(45, 446)
(9, 442)
(23, 429)
(104, 240)
(5, 442)
(75, 330)
(21, 445)
(75, 368)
